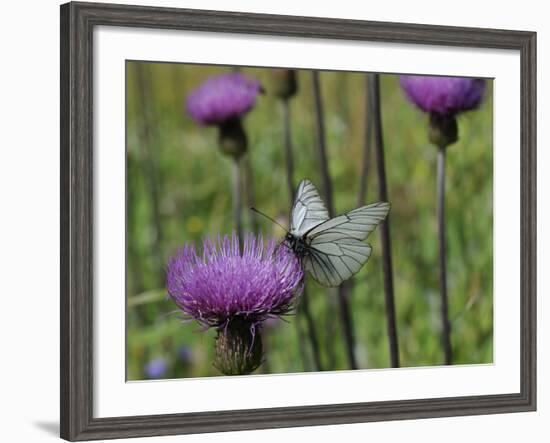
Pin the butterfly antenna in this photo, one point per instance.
(252, 208)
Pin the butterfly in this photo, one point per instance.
(331, 249)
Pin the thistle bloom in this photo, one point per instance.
(234, 291)
(222, 98)
(443, 95)
(156, 368)
(443, 98)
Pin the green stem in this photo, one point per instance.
(343, 302)
(249, 190)
(237, 198)
(446, 325)
(389, 299)
(367, 147)
(289, 158)
(289, 166)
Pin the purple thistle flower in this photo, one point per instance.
(234, 291)
(156, 368)
(224, 283)
(446, 96)
(222, 98)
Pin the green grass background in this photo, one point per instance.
(173, 161)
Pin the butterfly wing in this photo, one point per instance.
(332, 263)
(308, 210)
(336, 250)
(357, 224)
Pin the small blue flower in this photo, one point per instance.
(156, 368)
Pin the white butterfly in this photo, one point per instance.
(332, 250)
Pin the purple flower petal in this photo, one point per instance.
(260, 282)
(223, 97)
(443, 95)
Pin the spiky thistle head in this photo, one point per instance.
(234, 290)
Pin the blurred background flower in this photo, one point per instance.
(234, 291)
(156, 368)
(185, 354)
(223, 97)
(443, 98)
(443, 95)
(223, 100)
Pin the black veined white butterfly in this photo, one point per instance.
(331, 249)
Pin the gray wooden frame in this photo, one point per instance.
(77, 24)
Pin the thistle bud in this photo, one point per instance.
(232, 139)
(443, 130)
(238, 349)
(284, 83)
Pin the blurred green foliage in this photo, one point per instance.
(179, 190)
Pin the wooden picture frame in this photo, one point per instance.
(77, 23)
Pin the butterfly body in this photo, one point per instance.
(298, 245)
(331, 249)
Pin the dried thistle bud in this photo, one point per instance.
(284, 83)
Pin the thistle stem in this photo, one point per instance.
(367, 147)
(237, 199)
(302, 348)
(374, 92)
(249, 191)
(327, 190)
(446, 325)
(289, 166)
(365, 169)
(289, 158)
(321, 145)
(312, 333)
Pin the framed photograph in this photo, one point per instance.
(273, 221)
